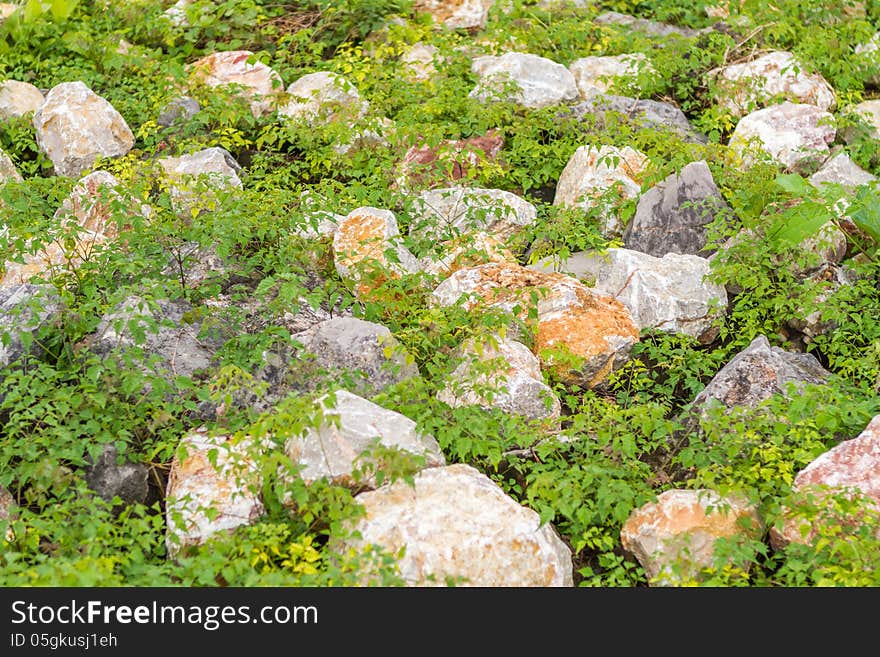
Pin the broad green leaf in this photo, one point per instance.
(865, 212)
(33, 9)
(799, 223)
(794, 184)
(62, 9)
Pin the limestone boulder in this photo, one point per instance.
(195, 179)
(256, 81)
(19, 98)
(674, 215)
(796, 136)
(501, 373)
(600, 74)
(457, 14)
(7, 169)
(536, 81)
(592, 172)
(579, 335)
(451, 212)
(322, 96)
(674, 538)
(455, 525)
(449, 161)
(757, 373)
(341, 448)
(848, 468)
(419, 61)
(25, 311)
(75, 126)
(752, 85)
(213, 486)
(671, 294)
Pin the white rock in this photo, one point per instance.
(591, 172)
(19, 98)
(419, 60)
(598, 74)
(500, 373)
(540, 82)
(457, 14)
(751, 85)
(456, 523)
(322, 96)
(193, 177)
(259, 82)
(214, 487)
(671, 294)
(795, 135)
(7, 170)
(453, 211)
(349, 426)
(75, 126)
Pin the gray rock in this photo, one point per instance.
(25, 310)
(348, 427)
(840, 169)
(7, 169)
(672, 216)
(756, 374)
(651, 28)
(641, 113)
(108, 478)
(170, 333)
(367, 355)
(179, 110)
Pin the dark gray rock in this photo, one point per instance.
(641, 113)
(109, 478)
(25, 310)
(756, 374)
(179, 110)
(672, 216)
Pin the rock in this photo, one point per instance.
(674, 538)
(591, 172)
(540, 82)
(176, 13)
(90, 205)
(673, 216)
(500, 373)
(167, 331)
(671, 294)
(365, 355)
(848, 468)
(19, 98)
(640, 113)
(7, 9)
(454, 523)
(179, 110)
(419, 61)
(361, 247)
(752, 85)
(213, 486)
(7, 505)
(840, 169)
(8, 170)
(450, 160)
(457, 14)
(322, 96)
(25, 311)
(757, 373)
(651, 28)
(52, 259)
(581, 336)
(808, 321)
(348, 428)
(195, 178)
(75, 126)
(449, 213)
(794, 135)
(108, 478)
(466, 251)
(259, 83)
(601, 74)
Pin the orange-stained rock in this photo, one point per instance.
(367, 249)
(674, 537)
(580, 336)
(51, 259)
(852, 466)
(469, 251)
